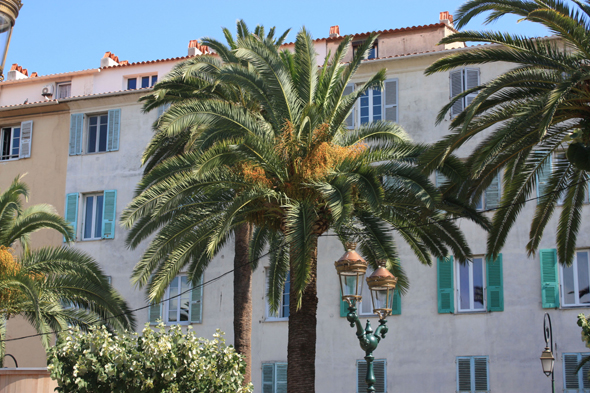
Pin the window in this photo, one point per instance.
(380, 371)
(460, 81)
(374, 105)
(274, 377)
(141, 82)
(370, 106)
(373, 52)
(472, 295)
(283, 312)
(558, 159)
(472, 374)
(98, 214)
(64, 90)
(575, 381)
(182, 305)
(490, 198)
(575, 284)
(95, 132)
(15, 142)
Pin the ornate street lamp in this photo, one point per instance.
(547, 358)
(8, 13)
(351, 268)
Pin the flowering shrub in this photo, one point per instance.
(166, 360)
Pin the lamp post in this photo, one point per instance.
(547, 358)
(8, 13)
(351, 268)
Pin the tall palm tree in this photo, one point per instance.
(293, 170)
(191, 80)
(53, 288)
(529, 113)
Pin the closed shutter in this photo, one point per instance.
(471, 81)
(480, 371)
(584, 372)
(391, 100)
(495, 284)
(71, 211)
(380, 371)
(440, 179)
(549, 278)
(444, 269)
(162, 109)
(281, 377)
(396, 305)
(350, 119)
(268, 378)
(196, 310)
(114, 126)
(155, 313)
(26, 135)
(570, 364)
(76, 127)
(108, 214)
(543, 178)
(464, 374)
(456, 83)
(493, 193)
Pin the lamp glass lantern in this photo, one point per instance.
(8, 13)
(351, 268)
(547, 361)
(382, 285)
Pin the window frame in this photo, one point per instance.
(582, 376)
(11, 156)
(575, 269)
(86, 132)
(85, 197)
(471, 308)
(269, 317)
(275, 381)
(370, 95)
(472, 373)
(373, 54)
(59, 85)
(166, 304)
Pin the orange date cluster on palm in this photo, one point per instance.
(9, 268)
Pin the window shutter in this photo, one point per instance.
(584, 372)
(268, 378)
(493, 193)
(196, 310)
(471, 81)
(480, 371)
(281, 378)
(108, 214)
(440, 179)
(396, 306)
(464, 374)
(26, 135)
(350, 119)
(495, 284)
(155, 313)
(456, 82)
(543, 178)
(444, 269)
(114, 126)
(361, 374)
(379, 369)
(549, 278)
(162, 109)
(391, 100)
(570, 364)
(71, 211)
(76, 126)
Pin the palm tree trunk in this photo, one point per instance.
(302, 334)
(243, 298)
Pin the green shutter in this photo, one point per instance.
(76, 127)
(495, 285)
(281, 378)
(155, 313)
(444, 270)
(114, 127)
(196, 310)
(268, 378)
(549, 278)
(493, 194)
(71, 212)
(396, 306)
(543, 178)
(108, 214)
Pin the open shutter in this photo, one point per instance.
(471, 81)
(391, 100)
(71, 211)
(456, 83)
(396, 306)
(76, 126)
(108, 214)
(495, 284)
(549, 278)
(114, 126)
(464, 374)
(493, 193)
(350, 119)
(444, 269)
(26, 135)
(196, 310)
(543, 178)
(281, 378)
(268, 378)
(480, 371)
(155, 313)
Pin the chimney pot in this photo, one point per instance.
(446, 18)
(16, 72)
(334, 31)
(109, 59)
(195, 48)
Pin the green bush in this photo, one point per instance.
(162, 361)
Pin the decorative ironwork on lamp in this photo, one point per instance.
(8, 13)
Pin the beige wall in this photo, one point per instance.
(26, 381)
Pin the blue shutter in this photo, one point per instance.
(390, 101)
(155, 313)
(396, 306)
(350, 119)
(114, 127)
(543, 178)
(108, 214)
(495, 284)
(446, 299)
(493, 193)
(26, 136)
(71, 211)
(268, 378)
(456, 85)
(281, 377)
(549, 278)
(196, 309)
(76, 127)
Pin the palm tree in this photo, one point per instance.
(529, 114)
(293, 170)
(53, 288)
(190, 80)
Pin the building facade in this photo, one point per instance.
(459, 328)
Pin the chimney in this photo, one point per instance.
(195, 49)
(334, 31)
(17, 72)
(109, 59)
(447, 19)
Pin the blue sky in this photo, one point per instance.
(54, 36)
